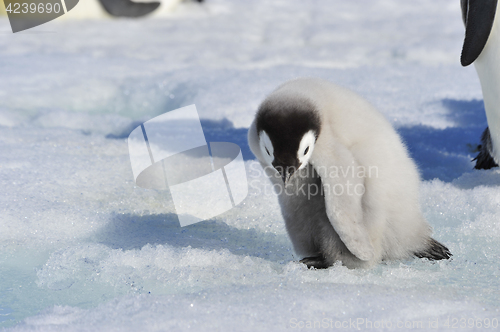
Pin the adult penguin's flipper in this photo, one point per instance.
(478, 16)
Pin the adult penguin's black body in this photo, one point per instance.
(347, 188)
(482, 47)
(128, 8)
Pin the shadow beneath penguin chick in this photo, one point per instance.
(130, 231)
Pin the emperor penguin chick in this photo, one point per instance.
(347, 188)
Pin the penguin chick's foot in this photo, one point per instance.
(435, 251)
(318, 262)
(484, 159)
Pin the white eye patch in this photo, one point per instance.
(306, 148)
(266, 147)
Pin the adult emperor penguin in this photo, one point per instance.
(347, 188)
(482, 47)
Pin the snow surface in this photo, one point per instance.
(82, 248)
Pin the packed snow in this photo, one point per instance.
(83, 248)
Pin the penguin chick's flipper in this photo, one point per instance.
(478, 16)
(127, 8)
(484, 160)
(318, 262)
(436, 251)
(345, 212)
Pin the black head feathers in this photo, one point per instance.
(286, 120)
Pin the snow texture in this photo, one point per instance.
(83, 249)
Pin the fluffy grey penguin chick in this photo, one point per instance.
(347, 188)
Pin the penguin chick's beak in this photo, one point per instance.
(286, 174)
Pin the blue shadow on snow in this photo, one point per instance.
(439, 153)
(447, 153)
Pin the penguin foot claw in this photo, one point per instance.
(484, 160)
(318, 262)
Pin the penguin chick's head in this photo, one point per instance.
(287, 129)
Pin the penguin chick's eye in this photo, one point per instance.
(268, 151)
(306, 150)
